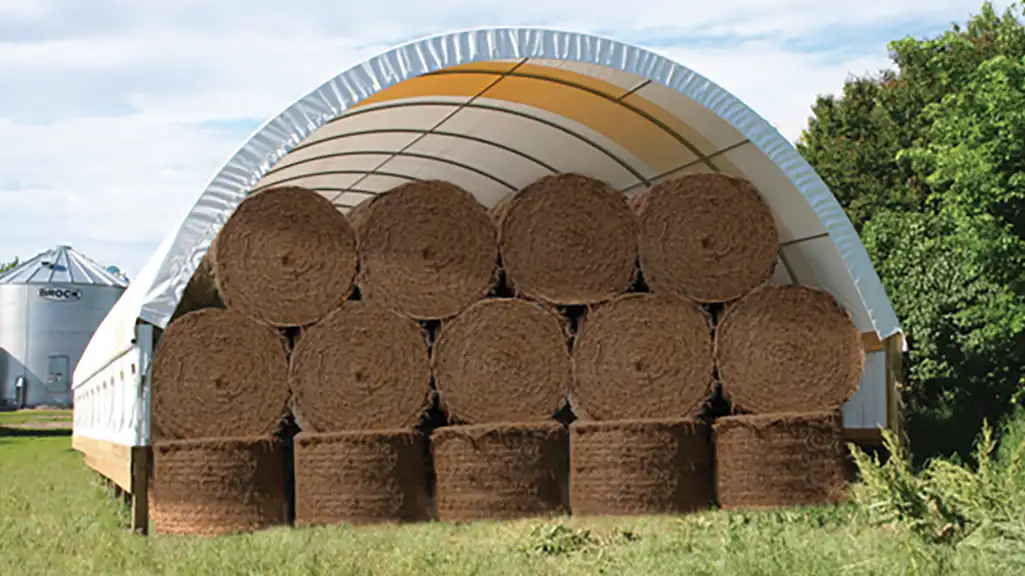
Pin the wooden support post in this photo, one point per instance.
(894, 382)
(140, 489)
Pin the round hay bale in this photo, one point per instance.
(640, 467)
(360, 478)
(216, 373)
(285, 257)
(363, 367)
(427, 249)
(788, 348)
(568, 239)
(643, 356)
(709, 237)
(211, 487)
(780, 460)
(500, 471)
(502, 360)
(201, 290)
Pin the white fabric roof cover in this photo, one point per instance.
(493, 109)
(62, 265)
(116, 333)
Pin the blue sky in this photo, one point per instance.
(115, 114)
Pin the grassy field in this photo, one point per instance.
(57, 518)
(36, 418)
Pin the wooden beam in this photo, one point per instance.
(127, 467)
(863, 435)
(112, 461)
(871, 342)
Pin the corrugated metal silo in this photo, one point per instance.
(49, 308)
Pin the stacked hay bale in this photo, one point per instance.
(567, 240)
(789, 357)
(633, 315)
(360, 380)
(503, 367)
(643, 373)
(502, 370)
(709, 238)
(220, 375)
(361, 376)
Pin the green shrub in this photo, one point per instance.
(948, 503)
(1012, 439)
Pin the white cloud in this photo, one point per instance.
(114, 114)
(21, 8)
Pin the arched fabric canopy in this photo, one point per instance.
(493, 109)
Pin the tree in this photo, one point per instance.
(8, 266)
(929, 162)
(974, 162)
(955, 280)
(855, 141)
(975, 157)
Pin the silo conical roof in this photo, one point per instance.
(61, 265)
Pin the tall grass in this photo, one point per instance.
(977, 505)
(1012, 438)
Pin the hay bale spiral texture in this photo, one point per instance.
(285, 257)
(217, 373)
(788, 348)
(360, 478)
(212, 487)
(567, 239)
(363, 367)
(643, 356)
(779, 460)
(640, 467)
(500, 471)
(709, 237)
(427, 249)
(502, 360)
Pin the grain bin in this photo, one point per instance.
(50, 306)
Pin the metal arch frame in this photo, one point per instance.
(472, 105)
(685, 165)
(514, 73)
(373, 172)
(418, 131)
(392, 154)
(277, 137)
(340, 191)
(701, 158)
(439, 124)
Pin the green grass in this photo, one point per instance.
(30, 417)
(57, 518)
